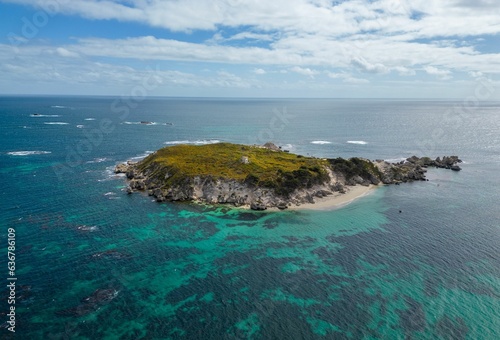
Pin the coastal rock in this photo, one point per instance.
(258, 206)
(121, 168)
(338, 187)
(282, 206)
(271, 146)
(323, 193)
(137, 184)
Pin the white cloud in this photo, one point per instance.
(380, 39)
(474, 74)
(441, 74)
(347, 78)
(304, 71)
(404, 71)
(365, 66)
(65, 53)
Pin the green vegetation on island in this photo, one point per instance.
(254, 165)
(262, 176)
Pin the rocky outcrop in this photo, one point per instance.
(339, 175)
(414, 168)
(271, 146)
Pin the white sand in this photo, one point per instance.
(337, 199)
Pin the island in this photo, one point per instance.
(262, 177)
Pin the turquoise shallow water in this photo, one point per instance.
(181, 271)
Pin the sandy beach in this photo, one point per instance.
(336, 200)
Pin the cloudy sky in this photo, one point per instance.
(251, 48)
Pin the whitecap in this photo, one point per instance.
(175, 142)
(27, 153)
(287, 146)
(359, 142)
(195, 142)
(321, 142)
(109, 194)
(141, 123)
(56, 123)
(88, 228)
(80, 126)
(206, 141)
(36, 115)
(141, 156)
(89, 119)
(59, 107)
(98, 160)
(147, 123)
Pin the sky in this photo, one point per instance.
(252, 48)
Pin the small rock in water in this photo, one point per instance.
(91, 303)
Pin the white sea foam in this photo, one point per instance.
(98, 160)
(60, 107)
(141, 156)
(88, 228)
(321, 142)
(195, 142)
(89, 119)
(359, 142)
(80, 126)
(27, 153)
(141, 123)
(56, 123)
(287, 146)
(146, 123)
(395, 160)
(36, 115)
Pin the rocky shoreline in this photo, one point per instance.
(338, 176)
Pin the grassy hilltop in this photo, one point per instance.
(281, 171)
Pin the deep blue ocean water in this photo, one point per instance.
(183, 271)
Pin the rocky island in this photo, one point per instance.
(261, 177)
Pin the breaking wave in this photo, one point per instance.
(359, 142)
(321, 142)
(39, 115)
(195, 142)
(27, 153)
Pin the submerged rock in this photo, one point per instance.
(111, 254)
(91, 303)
